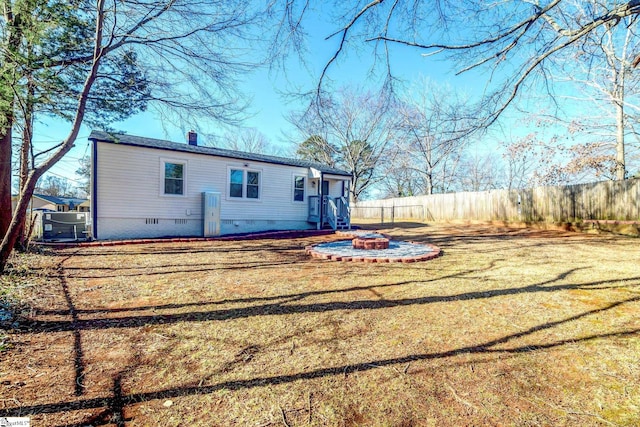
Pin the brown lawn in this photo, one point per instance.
(510, 327)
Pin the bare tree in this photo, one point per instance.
(435, 125)
(400, 176)
(602, 71)
(357, 128)
(531, 161)
(480, 172)
(249, 140)
(51, 185)
(588, 160)
(509, 47)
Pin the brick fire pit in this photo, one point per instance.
(370, 243)
(367, 246)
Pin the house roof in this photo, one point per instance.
(60, 200)
(55, 199)
(52, 199)
(138, 141)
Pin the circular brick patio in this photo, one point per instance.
(350, 251)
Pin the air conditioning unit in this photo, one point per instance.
(64, 226)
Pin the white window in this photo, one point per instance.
(173, 174)
(236, 182)
(298, 188)
(244, 184)
(253, 185)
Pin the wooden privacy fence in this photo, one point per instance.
(607, 200)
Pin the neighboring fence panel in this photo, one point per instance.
(608, 200)
(33, 225)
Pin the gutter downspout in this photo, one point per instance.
(321, 202)
(94, 190)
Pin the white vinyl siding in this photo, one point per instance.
(130, 188)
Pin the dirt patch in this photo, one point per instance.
(512, 326)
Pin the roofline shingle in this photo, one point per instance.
(138, 141)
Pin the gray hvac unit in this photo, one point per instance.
(64, 226)
(211, 213)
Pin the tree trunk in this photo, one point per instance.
(25, 151)
(429, 178)
(5, 180)
(620, 156)
(8, 78)
(19, 217)
(353, 197)
(619, 81)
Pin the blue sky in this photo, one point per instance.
(266, 88)
(269, 106)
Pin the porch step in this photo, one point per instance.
(342, 224)
(339, 226)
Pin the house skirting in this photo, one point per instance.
(141, 228)
(229, 226)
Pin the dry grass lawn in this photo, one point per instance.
(510, 327)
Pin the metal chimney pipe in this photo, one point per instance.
(192, 137)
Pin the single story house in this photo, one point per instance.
(43, 202)
(143, 188)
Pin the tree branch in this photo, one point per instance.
(344, 31)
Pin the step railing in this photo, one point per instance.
(332, 213)
(344, 211)
(335, 212)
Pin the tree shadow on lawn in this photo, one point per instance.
(294, 258)
(398, 224)
(173, 248)
(284, 306)
(114, 405)
(173, 269)
(288, 297)
(449, 235)
(295, 252)
(144, 270)
(281, 305)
